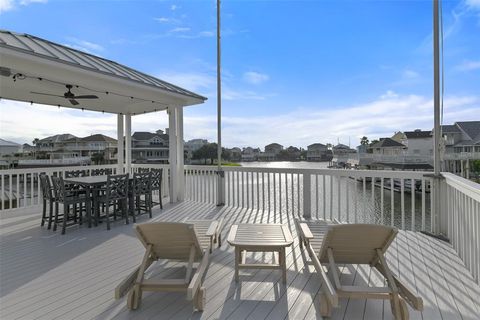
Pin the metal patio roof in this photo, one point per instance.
(45, 66)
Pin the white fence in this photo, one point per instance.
(461, 212)
(20, 188)
(384, 197)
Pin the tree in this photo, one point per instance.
(97, 158)
(35, 142)
(371, 144)
(207, 151)
(364, 141)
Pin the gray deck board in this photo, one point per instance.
(44, 275)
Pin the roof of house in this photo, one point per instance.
(143, 135)
(472, 128)
(387, 143)
(418, 134)
(58, 138)
(341, 146)
(99, 137)
(450, 128)
(6, 143)
(273, 145)
(316, 145)
(67, 55)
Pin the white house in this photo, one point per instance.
(419, 143)
(317, 152)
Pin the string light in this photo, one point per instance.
(21, 76)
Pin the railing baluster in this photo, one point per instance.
(317, 196)
(423, 203)
(392, 208)
(324, 191)
(248, 188)
(364, 199)
(286, 192)
(373, 196)
(275, 194)
(412, 187)
(10, 193)
(382, 199)
(432, 214)
(24, 189)
(347, 197)
(293, 191)
(339, 196)
(402, 201)
(31, 190)
(331, 197)
(355, 204)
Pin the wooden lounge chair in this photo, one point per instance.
(175, 241)
(332, 243)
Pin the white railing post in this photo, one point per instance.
(120, 143)
(220, 188)
(307, 196)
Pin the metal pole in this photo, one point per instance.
(221, 180)
(436, 88)
(219, 92)
(437, 183)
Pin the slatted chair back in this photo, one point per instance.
(142, 170)
(170, 240)
(142, 183)
(117, 187)
(59, 189)
(157, 179)
(356, 243)
(76, 173)
(46, 187)
(101, 172)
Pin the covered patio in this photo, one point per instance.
(39, 71)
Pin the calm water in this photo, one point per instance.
(363, 205)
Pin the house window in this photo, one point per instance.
(467, 149)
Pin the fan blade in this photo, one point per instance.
(73, 101)
(46, 94)
(86, 97)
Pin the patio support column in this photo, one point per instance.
(119, 143)
(180, 155)
(172, 153)
(128, 142)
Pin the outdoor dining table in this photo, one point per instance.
(93, 184)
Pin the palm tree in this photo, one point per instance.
(364, 141)
(35, 142)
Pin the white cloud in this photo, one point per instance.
(300, 127)
(174, 7)
(253, 77)
(410, 74)
(468, 65)
(7, 5)
(474, 4)
(84, 45)
(180, 29)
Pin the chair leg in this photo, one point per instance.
(160, 198)
(65, 217)
(50, 216)
(44, 213)
(56, 217)
(107, 215)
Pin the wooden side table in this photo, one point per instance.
(260, 238)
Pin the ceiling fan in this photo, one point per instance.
(70, 96)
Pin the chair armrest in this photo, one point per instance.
(196, 281)
(305, 230)
(212, 229)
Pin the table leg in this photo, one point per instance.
(237, 261)
(283, 264)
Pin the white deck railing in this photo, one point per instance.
(363, 196)
(20, 188)
(461, 219)
(345, 195)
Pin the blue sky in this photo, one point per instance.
(295, 72)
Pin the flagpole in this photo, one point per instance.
(220, 184)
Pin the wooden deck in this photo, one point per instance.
(44, 275)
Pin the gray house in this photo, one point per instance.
(148, 147)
